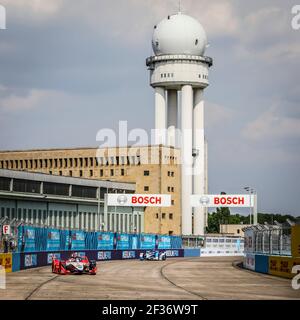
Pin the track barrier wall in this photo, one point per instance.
(277, 265)
(6, 261)
(40, 259)
(37, 246)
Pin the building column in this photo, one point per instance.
(172, 117)
(199, 160)
(186, 158)
(160, 116)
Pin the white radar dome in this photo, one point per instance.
(179, 34)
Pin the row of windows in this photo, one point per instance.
(163, 216)
(69, 162)
(60, 189)
(204, 76)
(70, 219)
(167, 75)
(92, 173)
(170, 189)
(171, 75)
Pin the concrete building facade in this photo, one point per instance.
(153, 169)
(65, 202)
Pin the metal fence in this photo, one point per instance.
(268, 239)
(215, 245)
(34, 238)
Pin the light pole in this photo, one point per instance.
(253, 206)
(248, 190)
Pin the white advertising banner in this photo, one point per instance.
(249, 261)
(138, 200)
(6, 229)
(211, 201)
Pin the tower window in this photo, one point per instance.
(196, 42)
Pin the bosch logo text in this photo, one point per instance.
(229, 200)
(146, 200)
(139, 200)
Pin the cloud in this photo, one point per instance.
(39, 7)
(32, 99)
(216, 114)
(271, 125)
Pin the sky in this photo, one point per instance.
(69, 68)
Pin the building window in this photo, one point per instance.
(50, 172)
(80, 173)
(101, 173)
(157, 216)
(122, 172)
(146, 188)
(196, 42)
(70, 173)
(91, 173)
(172, 202)
(112, 172)
(171, 216)
(146, 173)
(163, 216)
(171, 233)
(60, 173)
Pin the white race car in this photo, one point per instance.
(153, 255)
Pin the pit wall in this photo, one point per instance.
(275, 265)
(27, 260)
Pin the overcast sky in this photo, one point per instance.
(69, 68)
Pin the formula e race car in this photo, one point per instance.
(153, 255)
(74, 265)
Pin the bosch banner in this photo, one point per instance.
(212, 201)
(138, 200)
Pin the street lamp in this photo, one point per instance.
(253, 206)
(248, 190)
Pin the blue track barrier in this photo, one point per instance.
(262, 263)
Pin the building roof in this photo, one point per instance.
(42, 177)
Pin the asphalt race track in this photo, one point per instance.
(190, 278)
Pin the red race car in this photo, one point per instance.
(74, 265)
